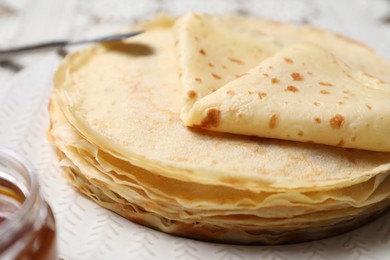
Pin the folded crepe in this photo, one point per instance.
(211, 52)
(303, 93)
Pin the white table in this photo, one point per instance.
(28, 21)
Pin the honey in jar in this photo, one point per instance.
(27, 226)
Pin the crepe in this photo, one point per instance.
(345, 49)
(133, 115)
(260, 222)
(303, 93)
(115, 124)
(211, 53)
(68, 140)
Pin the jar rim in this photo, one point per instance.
(12, 160)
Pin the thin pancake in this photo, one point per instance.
(196, 197)
(119, 138)
(124, 97)
(210, 53)
(303, 93)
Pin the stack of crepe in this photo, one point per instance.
(228, 129)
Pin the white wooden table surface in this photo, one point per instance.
(28, 21)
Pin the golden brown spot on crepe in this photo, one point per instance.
(270, 67)
(274, 80)
(353, 139)
(309, 73)
(212, 118)
(345, 91)
(261, 95)
(340, 103)
(210, 65)
(340, 143)
(216, 76)
(288, 60)
(199, 80)
(177, 42)
(273, 120)
(212, 90)
(292, 88)
(369, 107)
(316, 104)
(325, 92)
(337, 121)
(296, 76)
(201, 51)
(196, 38)
(191, 94)
(265, 75)
(223, 67)
(317, 120)
(235, 60)
(300, 133)
(325, 84)
(230, 92)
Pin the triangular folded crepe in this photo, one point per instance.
(303, 93)
(211, 52)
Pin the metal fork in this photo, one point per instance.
(9, 53)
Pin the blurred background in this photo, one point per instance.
(28, 21)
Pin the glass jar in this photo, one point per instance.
(27, 226)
